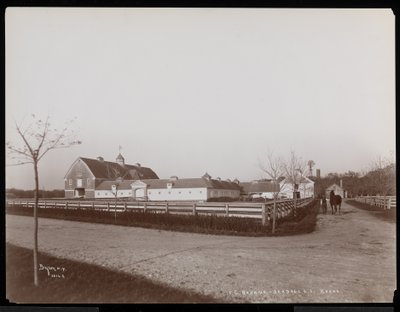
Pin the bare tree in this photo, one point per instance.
(294, 169)
(118, 178)
(275, 169)
(38, 138)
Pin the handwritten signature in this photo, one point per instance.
(53, 272)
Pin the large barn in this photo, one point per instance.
(86, 175)
(97, 178)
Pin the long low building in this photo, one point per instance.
(172, 189)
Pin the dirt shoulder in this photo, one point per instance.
(349, 258)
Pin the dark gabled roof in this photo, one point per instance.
(110, 170)
(107, 185)
(258, 187)
(302, 180)
(191, 183)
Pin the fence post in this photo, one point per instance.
(66, 205)
(79, 204)
(125, 206)
(389, 203)
(144, 206)
(92, 205)
(166, 207)
(194, 209)
(263, 214)
(108, 206)
(45, 204)
(227, 210)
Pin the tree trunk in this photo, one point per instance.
(35, 234)
(274, 216)
(295, 204)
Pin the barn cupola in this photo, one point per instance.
(120, 160)
(206, 176)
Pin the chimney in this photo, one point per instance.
(318, 173)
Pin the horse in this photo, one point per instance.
(335, 201)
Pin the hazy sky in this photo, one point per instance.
(185, 91)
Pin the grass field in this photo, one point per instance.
(388, 214)
(304, 222)
(75, 282)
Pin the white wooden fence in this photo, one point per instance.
(261, 211)
(385, 202)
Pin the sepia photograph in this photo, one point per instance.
(200, 155)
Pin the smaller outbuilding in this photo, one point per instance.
(337, 189)
(258, 189)
(302, 189)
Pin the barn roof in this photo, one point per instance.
(303, 180)
(180, 183)
(111, 170)
(334, 186)
(259, 187)
(191, 183)
(107, 185)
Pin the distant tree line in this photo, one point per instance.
(380, 180)
(16, 193)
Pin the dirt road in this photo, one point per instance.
(349, 258)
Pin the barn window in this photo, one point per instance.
(180, 192)
(201, 192)
(98, 193)
(88, 181)
(159, 192)
(169, 192)
(149, 192)
(190, 192)
(70, 182)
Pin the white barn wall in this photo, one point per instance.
(305, 189)
(213, 193)
(109, 194)
(172, 194)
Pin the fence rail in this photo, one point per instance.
(385, 202)
(262, 211)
